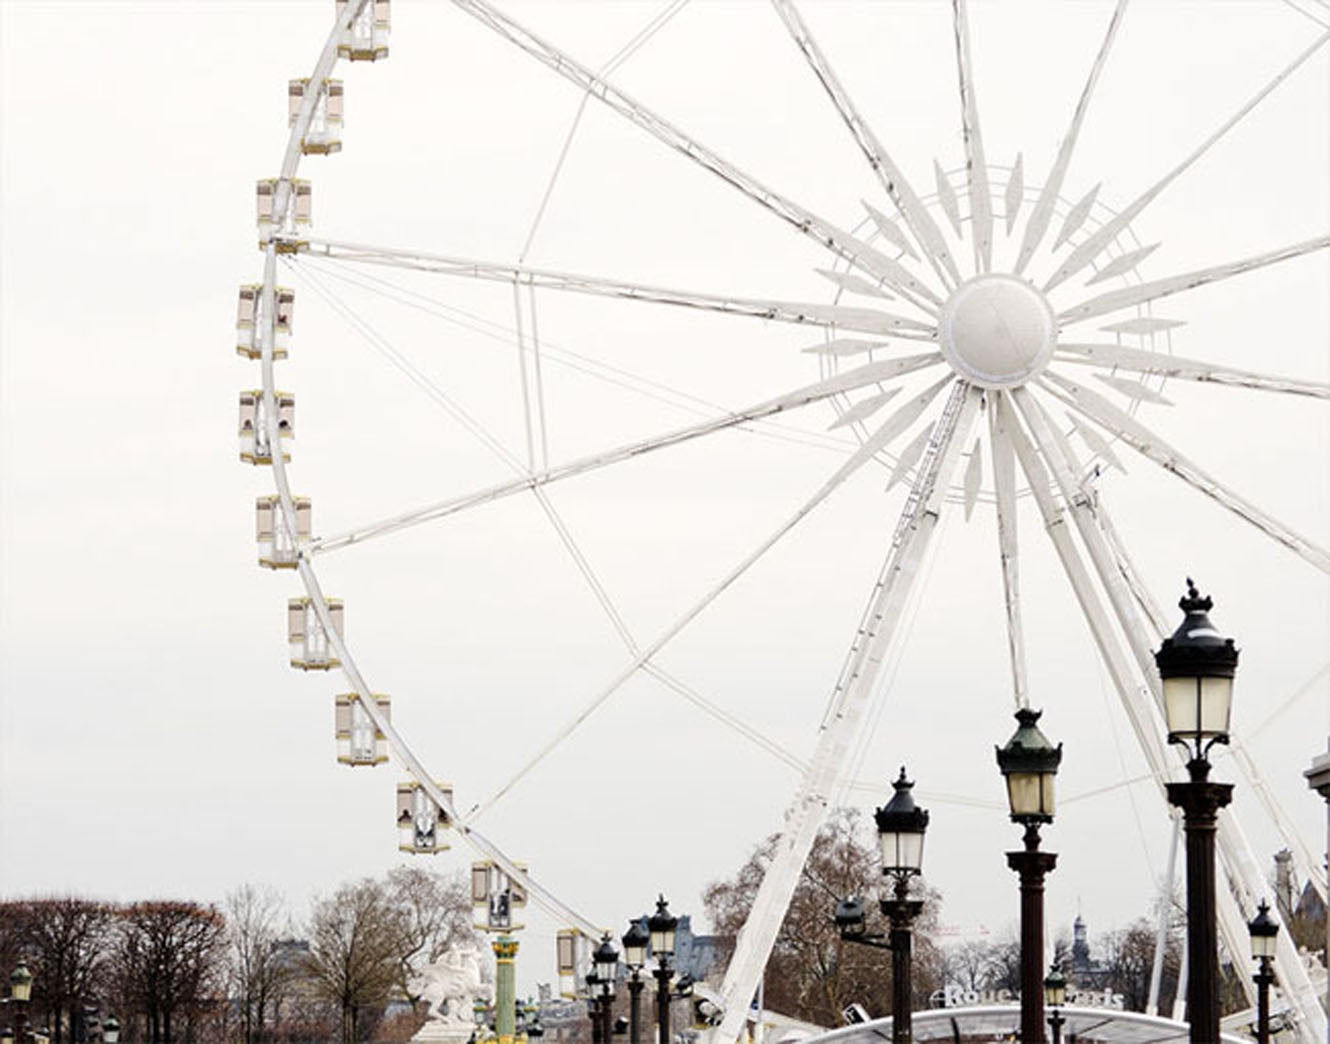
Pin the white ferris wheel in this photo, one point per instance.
(989, 340)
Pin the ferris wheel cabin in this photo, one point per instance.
(359, 740)
(324, 134)
(255, 447)
(250, 319)
(420, 820)
(366, 39)
(310, 648)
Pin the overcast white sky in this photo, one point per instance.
(152, 739)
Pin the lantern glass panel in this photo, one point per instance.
(1262, 946)
(662, 942)
(1030, 793)
(1055, 992)
(1197, 706)
(902, 850)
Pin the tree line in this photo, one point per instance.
(247, 970)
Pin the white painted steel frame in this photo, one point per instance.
(918, 520)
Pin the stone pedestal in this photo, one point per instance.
(437, 1031)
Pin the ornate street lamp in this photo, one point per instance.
(900, 831)
(661, 926)
(1197, 665)
(20, 991)
(606, 961)
(1263, 929)
(593, 1007)
(635, 942)
(1055, 995)
(1029, 763)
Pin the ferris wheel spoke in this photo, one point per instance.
(1140, 360)
(848, 707)
(1097, 242)
(1151, 446)
(976, 166)
(889, 175)
(1042, 214)
(1136, 697)
(723, 716)
(859, 377)
(804, 220)
(1004, 484)
(880, 439)
(863, 320)
(1144, 293)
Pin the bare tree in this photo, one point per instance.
(167, 963)
(357, 940)
(1128, 960)
(812, 973)
(256, 971)
(436, 916)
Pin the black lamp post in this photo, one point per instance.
(1029, 763)
(635, 942)
(900, 831)
(593, 1007)
(606, 961)
(20, 992)
(661, 926)
(1055, 995)
(1197, 665)
(1263, 929)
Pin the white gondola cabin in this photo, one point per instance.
(311, 649)
(420, 821)
(359, 741)
(292, 218)
(366, 39)
(566, 945)
(324, 133)
(255, 441)
(499, 893)
(250, 320)
(280, 540)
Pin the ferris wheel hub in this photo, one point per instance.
(997, 331)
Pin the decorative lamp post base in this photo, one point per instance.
(1200, 801)
(1032, 865)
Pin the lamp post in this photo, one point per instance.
(900, 831)
(593, 1007)
(1029, 763)
(1263, 929)
(606, 961)
(20, 991)
(1055, 995)
(1197, 665)
(635, 942)
(661, 926)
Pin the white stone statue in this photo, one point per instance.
(449, 988)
